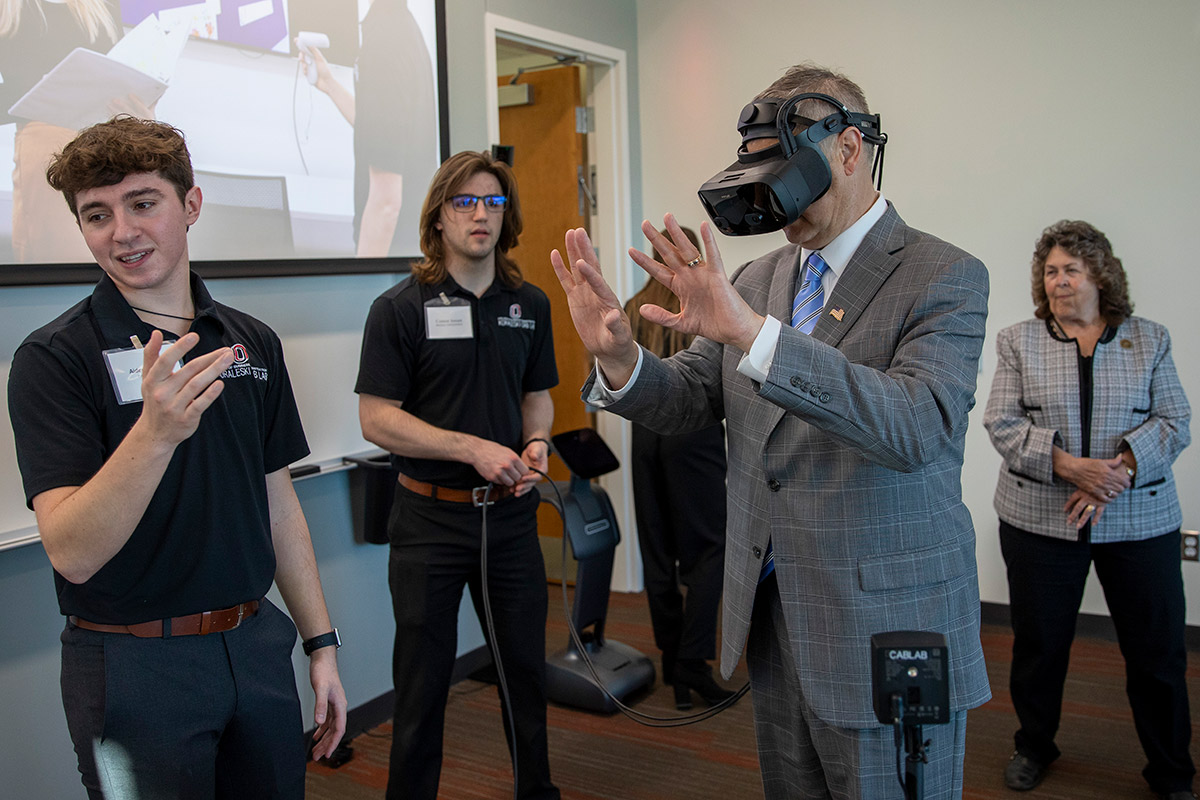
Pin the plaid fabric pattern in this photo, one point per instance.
(1137, 400)
(848, 458)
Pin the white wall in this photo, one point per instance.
(1003, 117)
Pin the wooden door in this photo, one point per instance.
(548, 156)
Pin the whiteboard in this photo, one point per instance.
(319, 320)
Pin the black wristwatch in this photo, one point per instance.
(330, 639)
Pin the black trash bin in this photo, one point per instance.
(377, 478)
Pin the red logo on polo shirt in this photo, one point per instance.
(241, 366)
(513, 320)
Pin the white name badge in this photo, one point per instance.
(125, 369)
(449, 321)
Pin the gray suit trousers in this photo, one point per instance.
(801, 756)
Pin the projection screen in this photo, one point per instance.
(298, 176)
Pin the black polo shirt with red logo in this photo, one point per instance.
(204, 542)
(470, 384)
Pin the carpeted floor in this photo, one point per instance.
(601, 757)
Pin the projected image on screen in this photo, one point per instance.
(313, 124)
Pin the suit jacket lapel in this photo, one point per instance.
(783, 290)
(876, 258)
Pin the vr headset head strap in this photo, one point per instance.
(772, 117)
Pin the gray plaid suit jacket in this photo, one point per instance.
(848, 459)
(1137, 402)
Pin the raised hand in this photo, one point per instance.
(174, 400)
(709, 305)
(595, 310)
(318, 65)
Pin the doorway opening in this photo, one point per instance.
(561, 103)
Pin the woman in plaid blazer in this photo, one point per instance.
(1087, 410)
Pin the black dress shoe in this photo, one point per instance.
(683, 697)
(696, 675)
(1023, 773)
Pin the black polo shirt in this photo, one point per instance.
(471, 385)
(205, 539)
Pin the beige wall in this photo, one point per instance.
(1003, 117)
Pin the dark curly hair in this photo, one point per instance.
(1085, 242)
(106, 153)
(450, 177)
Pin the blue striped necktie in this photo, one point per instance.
(810, 298)
(806, 310)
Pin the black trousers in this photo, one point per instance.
(201, 717)
(435, 552)
(679, 500)
(1143, 586)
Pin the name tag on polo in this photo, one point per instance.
(125, 369)
(448, 318)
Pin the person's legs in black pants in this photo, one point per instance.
(1143, 585)
(429, 564)
(186, 717)
(516, 593)
(261, 753)
(1046, 578)
(656, 541)
(694, 467)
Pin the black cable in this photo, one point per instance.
(491, 627)
(649, 720)
(898, 728)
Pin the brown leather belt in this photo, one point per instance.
(472, 496)
(225, 619)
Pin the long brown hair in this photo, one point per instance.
(450, 177)
(663, 342)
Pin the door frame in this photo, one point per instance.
(608, 149)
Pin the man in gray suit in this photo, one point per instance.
(846, 438)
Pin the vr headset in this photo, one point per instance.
(765, 191)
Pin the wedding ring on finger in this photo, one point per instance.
(1089, 508)
(1111, 493)
(695, 261)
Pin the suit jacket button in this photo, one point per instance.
(758, 552)
(773, 485)
(794, 381)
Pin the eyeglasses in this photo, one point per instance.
(467, 203)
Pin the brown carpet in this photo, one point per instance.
(601, 757)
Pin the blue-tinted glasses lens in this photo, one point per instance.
(467, 202)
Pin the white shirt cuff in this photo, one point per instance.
(757, 363)
(602, 394)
